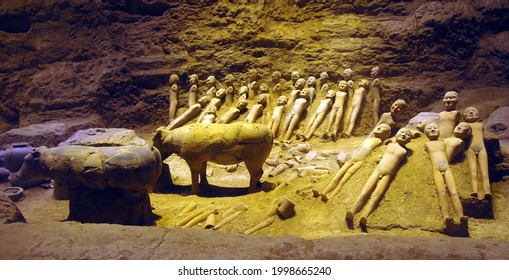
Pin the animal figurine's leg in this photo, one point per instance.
(195, 168)
(203, 174)
(254, 157)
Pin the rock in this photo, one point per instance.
(9, 213)
(47, 134)
(100, 137)
(413, 122)
(498, 124)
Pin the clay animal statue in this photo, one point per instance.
(105, 184)
(220, 143)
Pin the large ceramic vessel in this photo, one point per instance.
(14, 157)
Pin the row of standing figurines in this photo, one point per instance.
(301, 96)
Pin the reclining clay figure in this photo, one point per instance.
(105, 184)
(220, 143)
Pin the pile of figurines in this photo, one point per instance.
(447, 136)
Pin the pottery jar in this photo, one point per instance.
(14, 157)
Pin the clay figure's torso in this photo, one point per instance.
(358, 96)
(477, 143)
(370, 144)
(340, 99)
(391, 159)
(447, 120)
(437, 155)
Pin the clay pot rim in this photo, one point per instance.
(19, 144)
(16, 195)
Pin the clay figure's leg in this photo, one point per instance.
(365, 192)
(337, 121)
(453, 193)
(275, 126)
(442, 193)
(376, 109)
(330, 123)
(349, 173)
(173, 110)
(334, 183)
(355, 112)
(483, 167)
(378, 193)
(286, 125)
(472, 164)
(293, 124)
(318, 121)
(310, 123)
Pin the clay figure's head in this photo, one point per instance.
(264, 88)
(253, 75)
(193, 79)
(212, 109)
(343, 86)
(282, 100)
(304, 93)
(228, 80)
(431, 131)
(300, 83)
(275, 77)
(241, 104)
(311, 81)
(295, 76)
(463, 130)
(403, 136)
(471, 114)
(347, 74)
(261, 99)
(382, 131)
(173, 79)
(375, 71)
(330, 94)
(324, 77)
(450, 100)
(243, 90)
(220, 93)
(211, 81)
(363, 83)
(398, 107)
(325, 88)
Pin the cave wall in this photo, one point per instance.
(73, 59)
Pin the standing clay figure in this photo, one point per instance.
(228, 81)
(319, 115)
(174, 91)
(220, 143)
(448, 119)
(257, 109)
(253, 84)
(210, 115)
(358, 97)
(398, 107)
(375, 93)
(211, 84)
(336, 113)
(276, 82)
(477, 155)
(379, 180)
(277, 115)
(381, 132)
(456, 144)
(347, 76)
(442, 174)
(234, 113)
(293, 118)
(294, 94)
(189, 114)
(311, 82)
(193, 91)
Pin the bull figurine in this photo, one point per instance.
(105, 184)
(220, 143)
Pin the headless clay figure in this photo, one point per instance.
(189, 114)
(454, 145)
(477, 155)
(228, 81)
(398, 107)
(210, 115)
(277, 115)
(256, 110)
(380, 134)
(193, 91)
(449, 118)
(375, 93)
(293, 118)
(294, 94)
(379, 180)
(319, 115)
(311, 83)
(253, 84)
(337, 111)
(211, 84)
(277, 88)
(358, 97)
(234, 113)
(442, 174)
(174, 91)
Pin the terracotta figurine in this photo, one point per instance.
(358, 97)
(448, 119)
(319, 115)
(228, 81)
(189, 114)
(256, 110)
(234, 113)
(193, 91)
(174, 91)
(277, 115)
(336, 113)
(293, 118)
(375, 93)
(455, 144)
